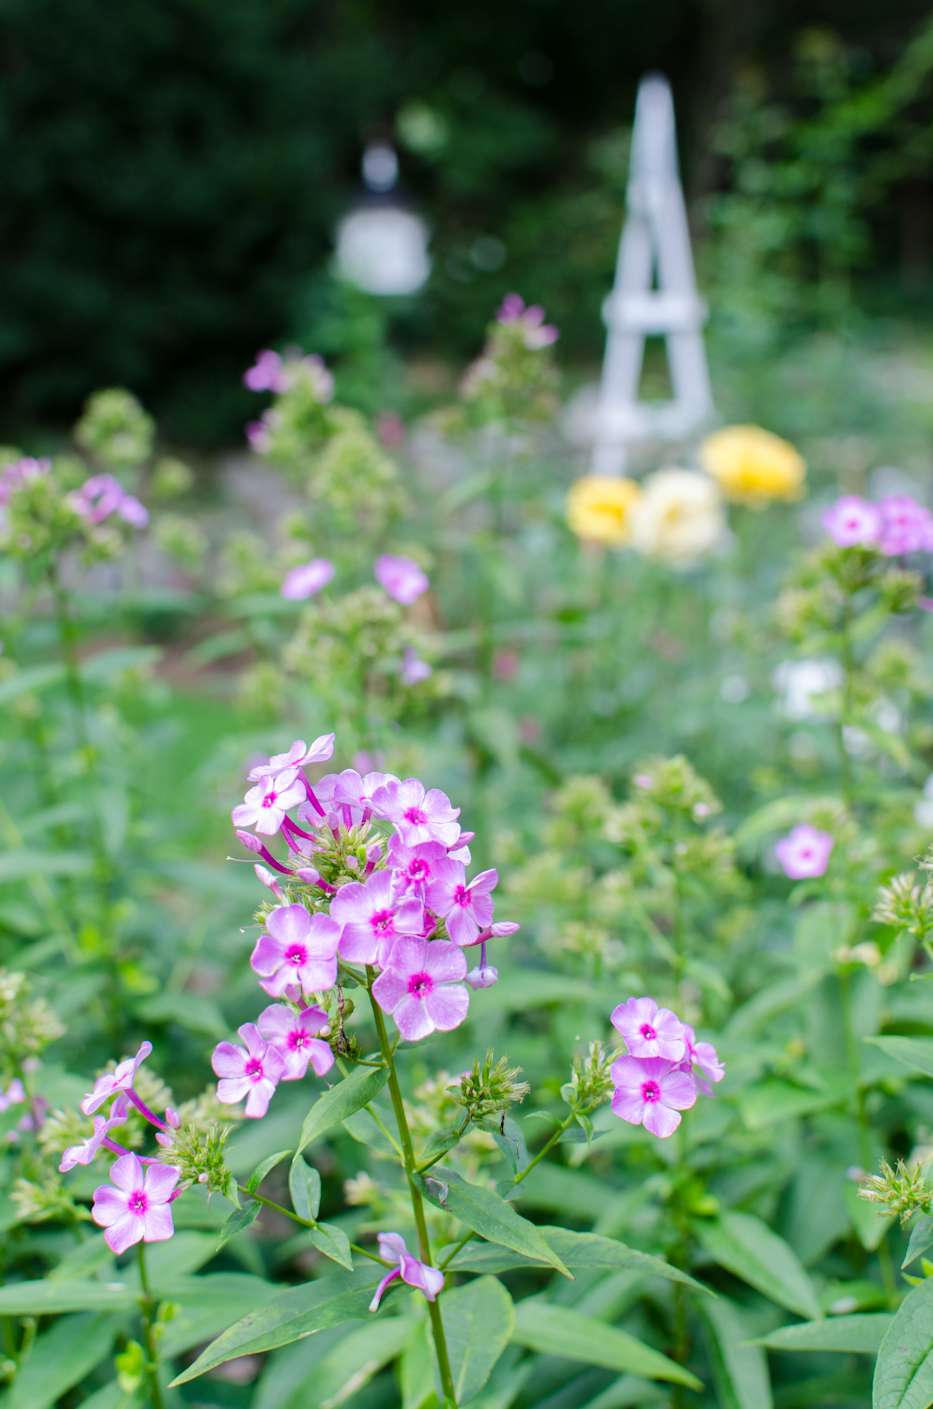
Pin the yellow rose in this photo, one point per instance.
(598, 508)
(752, 466)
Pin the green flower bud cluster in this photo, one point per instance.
(115, 429)
(510, 381)
(27, 1025)
(491, 1087)
(198, 1153)
(902, 1190)
(905, 905)
(590, 1084)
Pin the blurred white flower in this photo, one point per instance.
(799, 684)
(923, 810)
(679, 517)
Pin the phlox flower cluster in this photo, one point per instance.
(536, 333)
(103, 495)
(14, 476)
(375, 879)
(272, 372)
(895, 525)
(664, 1068)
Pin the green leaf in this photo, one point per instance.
(263, 1168)
(60, 1358)
(488, 1215)
(38, 677)
(576, 1250)
(478, 1323)
(747, 1247)
(740, 1371)
(566, 1192)
(304, 1185)
(904, 1368)
(333, 1243)
(348, 1096)
(291, 1368)
(82, 1261)
(16, 864)
(47, 1298)
(560, 1330)
(191, 1011)
(629, 1390)
(290, 1315)
(208, 1305)
(104, 665)
(512, 1144)
(440, 1142)
(914, 1052)
(869, 1222)
(767, 1102)
(352, 1362)
(238, 1221)
(862, 1333)
(921, 1237)
(365, 1129)
(417, 1369)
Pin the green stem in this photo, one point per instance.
(149, 1335)
(417, 1202)
(852, 1055)
(544, 1148)
(306, 1223)
(453, 1253)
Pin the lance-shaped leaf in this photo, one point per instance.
(478, 1323)
(921, 1237)
(304, 1185)
(740, 1370)
(291, 1315)
(575, 1250)
(904, 1368)
(60, 1358)
(352, 1362)
(333, 1243)
(488, 1215)
(747, 1247)
(46, 1298)
(263, 1168)
(347, 1097)
(238, 1221)
(208, 1305)
(862, 1333)
(914, 1052)
(560, 1330)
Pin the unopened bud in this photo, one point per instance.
(269, 879)
(351, 863)
(503, 928)
(309, 875)
(172, 1118)
(373, 853)
(166, 1141)
(482, 978)
(249, 841)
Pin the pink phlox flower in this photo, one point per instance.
(265, 805)
(422, 987)
(414, 669)
(252, 1071)
(121, 1079)
(536, 333)
(307, 579)
(413, 867)
(851, 520)
(103, 495)
(372, 918)
(466, 909)
(510, 309)
(650, 1031)
(392, 1248)
(650, 1091)
(460, 851)
(401, 577)
(907, 526)
(138, 1207)
(14, 1095)
(86, 1151)
(704, 1056)
(804, 852)
(296, 948)
(352, 796)
(418, 814)
(20, 472)
(298, 756)
(295, 1037)
(267, 373)
(483, 977)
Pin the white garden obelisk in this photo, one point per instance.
(654, 293)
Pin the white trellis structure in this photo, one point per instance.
(654, 294)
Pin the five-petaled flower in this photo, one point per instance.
(422, 987)
(402, 578)
(306, 579)
(466, 909)
(652, 1092)
(804, 852)
(372, 918)
(650, 1031)
(704, 1056)
(86, 1151)
(414, 867)
(265, 806)
(852, 520)
(121, 1079)
(297, 948)
(138, 1207)
(295, 1037)
(419, 814)
(252, 1071)
(417, 1274)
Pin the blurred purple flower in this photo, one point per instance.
(804, 852)
(851, 520)
(414, 669)
(266, 374)
(306, 580)
(907, 526)
(402, 578)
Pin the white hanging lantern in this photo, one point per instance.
(382, 245)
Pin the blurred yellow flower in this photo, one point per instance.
(752, 466)
(598, 508)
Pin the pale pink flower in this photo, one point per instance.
(306, 580)
(14, 476)
(267, 373)
(704, 1056)
(419, 815)
(427, 1279)
(297, 948)
(86, 1151)
(536, 333)
(650, 1031)
(414, 867)
(851, 520)
(422, 987)
(650, 1091)
(138, 1207)
(804, 852)
(112, 1081)
(295, 1037)
(352, 796)
(14, 1095)
(265, 806)
(414, 670)
(298, 756)
(907, 526)
(103, 495)
(402, 578)
(252, 1071)
(466, 909)
(372, 918)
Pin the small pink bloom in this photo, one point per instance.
(402, 578)
(259, 435)
(536, 333)
(265, 806)
(414, 669)
(702, 1055)
(266, 374)
(14, 476)
(650, 1091)
(252, 1071)
(466, 908)
(427, 1279)
(352, 796)
(414, 867)
(851, 520)
(297, 948)
(422, 987)
(131, 511)
(14, 1095)
(419, 815)
(511, 309)
(86, 1151)
(372, 918)
(650, 1031)
(112, 1081)
(483, 977)
(804, 852)
(138, 1207)
(295, 1037)
(298, 755)
(907, 526)
(307, 579)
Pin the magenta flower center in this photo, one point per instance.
(647, 1032)
(269, 799)
(650, 1092)
(416, 817)
(137, 1202)
(383, 921)
(253, 1069)
(462, 896)
(297, 1039)
(420, 984)
(419, 870)
(296, 955)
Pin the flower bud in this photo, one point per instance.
(482, 978)
(249, 841)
